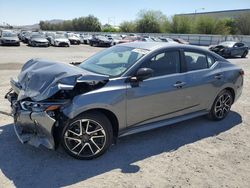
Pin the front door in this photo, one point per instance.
(162, 95)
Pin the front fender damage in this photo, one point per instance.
(42, 89)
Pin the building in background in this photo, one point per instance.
(219, 14)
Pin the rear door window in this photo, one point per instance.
(196, 61)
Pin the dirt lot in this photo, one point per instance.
(194, 153)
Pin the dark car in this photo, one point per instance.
(73, 38)
(181, 41)
(98, 40)
(122, 90)
(230, 49)
(38, 40)
(9, 39)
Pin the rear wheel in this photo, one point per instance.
(221, 106)
(244, 54)
(87, 136)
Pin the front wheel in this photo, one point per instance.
(87, 136)
(221, 105)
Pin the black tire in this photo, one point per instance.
(221, 106)
(244, 54)
(78, 142)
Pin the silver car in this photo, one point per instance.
(119, 91)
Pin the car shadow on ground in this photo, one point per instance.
(27, 166)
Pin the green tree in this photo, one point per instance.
(243, 23)
(89, 23)
(181, 24)
(209, 25)
(150, 21)
(109, 28)
(127, 26)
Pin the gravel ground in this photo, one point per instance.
(194, 153)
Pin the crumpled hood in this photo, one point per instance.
(40, 79)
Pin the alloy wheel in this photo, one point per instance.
(223, 105)
(85, 138)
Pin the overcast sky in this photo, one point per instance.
(24, 12)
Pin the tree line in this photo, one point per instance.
(150, 21)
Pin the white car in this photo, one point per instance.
(60, 40)
(73, 38)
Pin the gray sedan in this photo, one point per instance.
(230, 49)
(119, 91)
(9, 39)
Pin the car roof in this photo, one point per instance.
(151, 46)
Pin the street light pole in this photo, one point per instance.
(196, 10)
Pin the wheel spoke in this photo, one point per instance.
(98, 148)
(82, 148)
(71, 138)
(87, 127)
(90, 148)
(226, 99)
(217, 109)
(76, 146)
(95, 131)
(73, 132)
(80, 126)
(100, 136)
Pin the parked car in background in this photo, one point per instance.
(60, 40)
(180, 40)
(26, 37)
(85, 38)
(73, 38)
(119, 91)
(38, 40)
(9, 39)
(145, 39)
(49, 36)
(230, 49)
(21, 34)
(156, 39)
(99, 40)
(166, 39)
(114, 38)
(128, 39)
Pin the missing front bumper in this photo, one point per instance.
(35, 128)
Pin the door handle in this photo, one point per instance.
(218, 76)
(179, 84)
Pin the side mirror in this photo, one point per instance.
(144, 73)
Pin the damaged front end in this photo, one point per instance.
(42, 90)
(34, 121)
(223, 51)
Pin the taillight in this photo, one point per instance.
(242, 72)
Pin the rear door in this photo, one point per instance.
(238, 49)
(203, 77)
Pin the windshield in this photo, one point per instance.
(228, 44)
(113, 61)
(37, 36)
(101, 37)
(9, 35)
